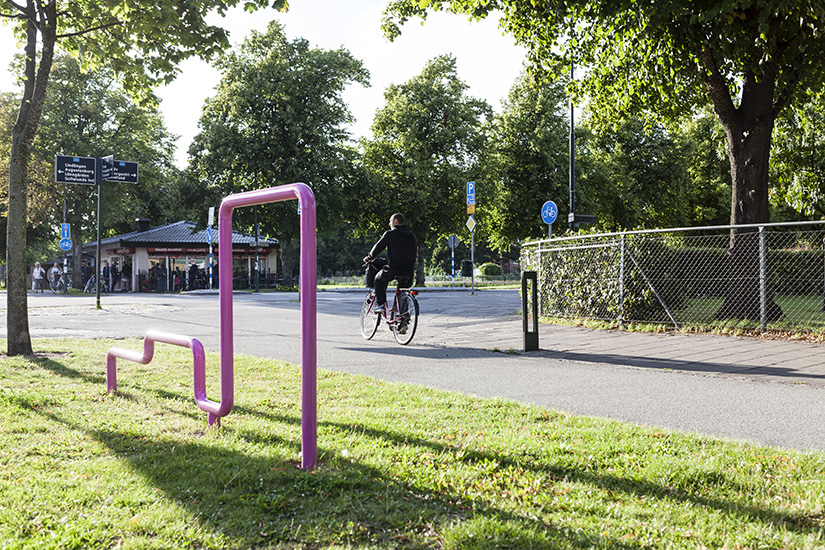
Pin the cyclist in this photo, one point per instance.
(402, 247)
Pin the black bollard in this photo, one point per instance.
(531, 338)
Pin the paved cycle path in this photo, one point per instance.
(764, 391)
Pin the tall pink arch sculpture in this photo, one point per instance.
(309, 334)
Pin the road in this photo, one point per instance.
(760, 391)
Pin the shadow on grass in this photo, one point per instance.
(253, 495)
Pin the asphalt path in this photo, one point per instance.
(473, 343)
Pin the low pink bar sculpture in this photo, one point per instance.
(308, 289)
(199, 375)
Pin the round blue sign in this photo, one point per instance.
(549, 212)
(65, 244)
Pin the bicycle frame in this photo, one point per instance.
(394, 311)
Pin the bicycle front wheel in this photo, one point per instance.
(369, 320)
(404, 329)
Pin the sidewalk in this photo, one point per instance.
(788, 362)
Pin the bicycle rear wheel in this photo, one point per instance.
(369, 320)
(404, 329)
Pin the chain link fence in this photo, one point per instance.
(754, 277)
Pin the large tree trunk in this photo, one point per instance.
(22, 141)
(19, 339)
(748, 130)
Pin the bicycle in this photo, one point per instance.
(401, 318)
(58, 284)
(90, 286)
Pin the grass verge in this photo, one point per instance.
(400, 466)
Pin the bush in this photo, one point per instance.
(490, 269)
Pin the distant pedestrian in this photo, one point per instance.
(105, 274)
(38, 278)
(126, 277)
(115, 276)
(86, 273)
(193, 275)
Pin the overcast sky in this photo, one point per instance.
(487, 61)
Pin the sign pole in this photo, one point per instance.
(99, 184)
(473, 261)
(209, 236)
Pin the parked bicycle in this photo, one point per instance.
(401, 318)
(90, 285)
(58, 283)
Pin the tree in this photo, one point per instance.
(525, 163)
(648, 184)
(141, 41)
(798, 162)
(278, 117)
(88, 114)
(747, 57)
(424, 150)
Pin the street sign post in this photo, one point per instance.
(549, 213)
(92, 171)
(471, 225)
(65, 242)
(209, 238)
(452, 241)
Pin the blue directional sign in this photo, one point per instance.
(549, 212)
(471, 192)
(65, 244)
(209, 234)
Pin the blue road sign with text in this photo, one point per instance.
(471, 192)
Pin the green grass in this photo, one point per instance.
(400, 466)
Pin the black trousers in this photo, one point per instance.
(383, 279)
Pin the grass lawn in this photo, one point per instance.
(400, 466)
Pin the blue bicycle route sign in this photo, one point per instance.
(549, 212)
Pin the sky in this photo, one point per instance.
(487, 61)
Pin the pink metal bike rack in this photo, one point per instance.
(308, 287)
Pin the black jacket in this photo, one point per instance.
(402, 247)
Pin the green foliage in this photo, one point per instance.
(142, 42)
(646, 183)
(424, 150)
(524, 164)
(748, 58)
(489, 269)
(798, 165)
(278, 117)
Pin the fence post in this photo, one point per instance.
(621, 282)
(763, 281)
(531, 339)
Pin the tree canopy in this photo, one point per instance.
(141, 41)
(748, 58)
(278, 117)
(425, 147)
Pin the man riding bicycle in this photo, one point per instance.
(402, 247)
